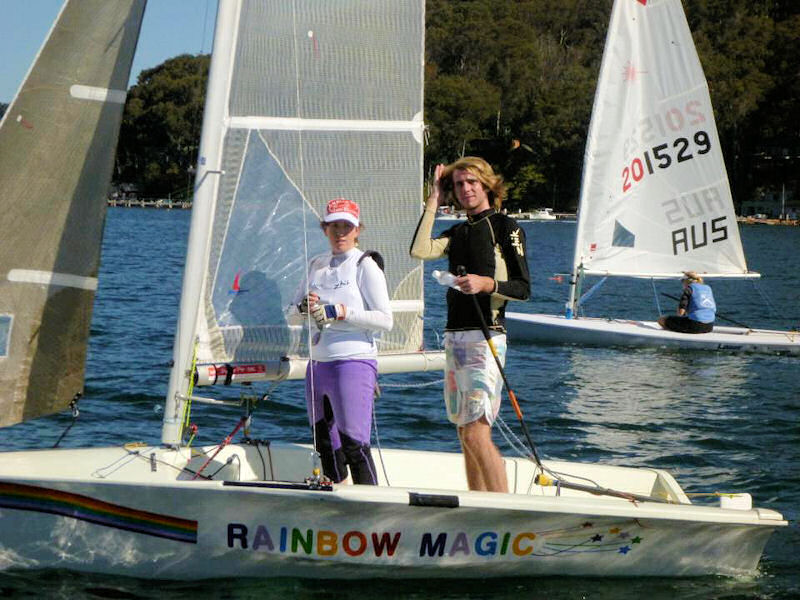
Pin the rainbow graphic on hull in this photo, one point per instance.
(19, 496)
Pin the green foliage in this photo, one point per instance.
(734, 50)
(458, 110)
(526, 180)
(746, 47)
(540, 58)
(161, 127)
(514, 81)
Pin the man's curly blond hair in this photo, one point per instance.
(492, 182)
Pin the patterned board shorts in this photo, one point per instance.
(473, 384)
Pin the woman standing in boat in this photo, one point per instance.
(345, 295)
(696, 307)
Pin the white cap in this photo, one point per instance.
(342, 209)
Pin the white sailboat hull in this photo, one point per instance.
(590, 331)
(134, 511)
(544, 214)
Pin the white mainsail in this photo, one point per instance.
(655, 199)
(57, 142)
(307, 101)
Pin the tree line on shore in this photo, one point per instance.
(514, 81)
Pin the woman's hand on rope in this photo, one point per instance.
(308, 303)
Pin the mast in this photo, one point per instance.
(588, 165)
(205, 191)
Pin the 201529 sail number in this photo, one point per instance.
(663, 157)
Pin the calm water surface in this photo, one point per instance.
(718, 422)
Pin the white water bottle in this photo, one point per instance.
(445, 278)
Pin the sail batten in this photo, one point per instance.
(50, 278)
(98, 94)
(298, 124)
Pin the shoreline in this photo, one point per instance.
(186, 205)
(149, 203)
(755, 221)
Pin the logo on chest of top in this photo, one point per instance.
(340, 284)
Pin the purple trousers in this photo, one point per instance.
(339, 397)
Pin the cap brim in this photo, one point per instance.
(341, 216)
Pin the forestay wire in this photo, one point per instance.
(591, 291)
(765, 298)
(309, 323)
(655, 295)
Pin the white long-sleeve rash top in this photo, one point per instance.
(338, 279)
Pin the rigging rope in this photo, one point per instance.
(518, 446)
(73, 405)
(413, 385)
(591, 291)
(224, 443)
(378, 439)
(316, 467)
(655, 295)
(764, 297)
(512, 439)
(187, 405)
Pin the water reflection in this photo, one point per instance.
(650, 407)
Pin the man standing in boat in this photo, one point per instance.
(489, 249)
(696, 307)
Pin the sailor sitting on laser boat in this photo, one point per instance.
(696, 308)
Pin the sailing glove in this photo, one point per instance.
(327, 313)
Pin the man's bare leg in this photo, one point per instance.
(482, 459)
(474, 474)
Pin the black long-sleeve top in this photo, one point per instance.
(489, 244)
